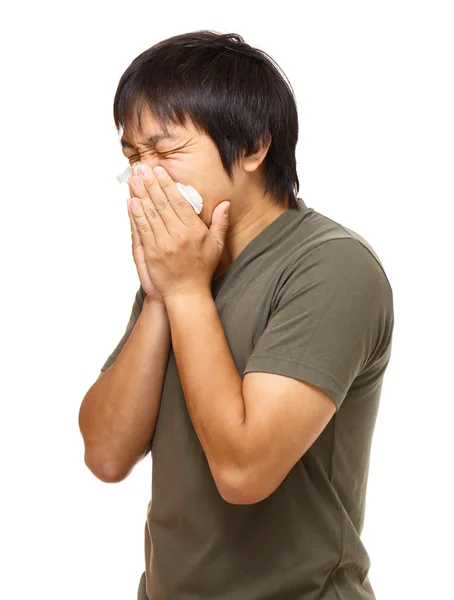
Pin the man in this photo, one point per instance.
(253, 361)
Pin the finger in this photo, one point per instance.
(134, 230)
(172, 206)
(142, 224)
(128, 181)
(134, 172)
(135, 235)
(148, 209)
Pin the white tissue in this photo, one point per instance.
(191, 194)
(123, 177)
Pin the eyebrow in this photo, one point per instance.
(150, 141)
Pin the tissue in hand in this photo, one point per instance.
(191, 194)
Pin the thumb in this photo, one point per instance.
(220, 223)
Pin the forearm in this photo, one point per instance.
(118, 414)
(211, 382)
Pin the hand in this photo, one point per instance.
(180, 252)
(139, 259)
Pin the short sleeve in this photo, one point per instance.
(332, 317)
(135, 313)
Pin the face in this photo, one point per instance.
(189, 157)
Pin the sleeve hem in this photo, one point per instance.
(298, 370)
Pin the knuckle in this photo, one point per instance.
(181, 238)
(161, 203)
(168, 249)
(150, 212)
(179, 202)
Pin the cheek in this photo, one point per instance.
(218, 185)
(175, 167)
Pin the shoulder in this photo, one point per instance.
(336, 242)
(339, 263)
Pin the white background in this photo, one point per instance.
(374, 88)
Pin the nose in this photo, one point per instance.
(149, 161)
(132, 170)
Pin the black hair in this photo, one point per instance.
(229, 90)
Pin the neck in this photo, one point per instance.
(244, 226)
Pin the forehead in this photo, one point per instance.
(152, 132)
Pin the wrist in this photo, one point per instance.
(150, 301)
(186, 298)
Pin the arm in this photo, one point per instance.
(252, 431)
(211, 383)
(118, 414)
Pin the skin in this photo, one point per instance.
(192, 159)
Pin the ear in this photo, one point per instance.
(254, 160)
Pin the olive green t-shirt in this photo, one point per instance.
(307, 298)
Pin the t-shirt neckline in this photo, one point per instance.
(261, 238)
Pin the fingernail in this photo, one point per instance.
(159, 172)
(144, 170)
(137, 182)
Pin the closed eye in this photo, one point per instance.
(136, 157)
